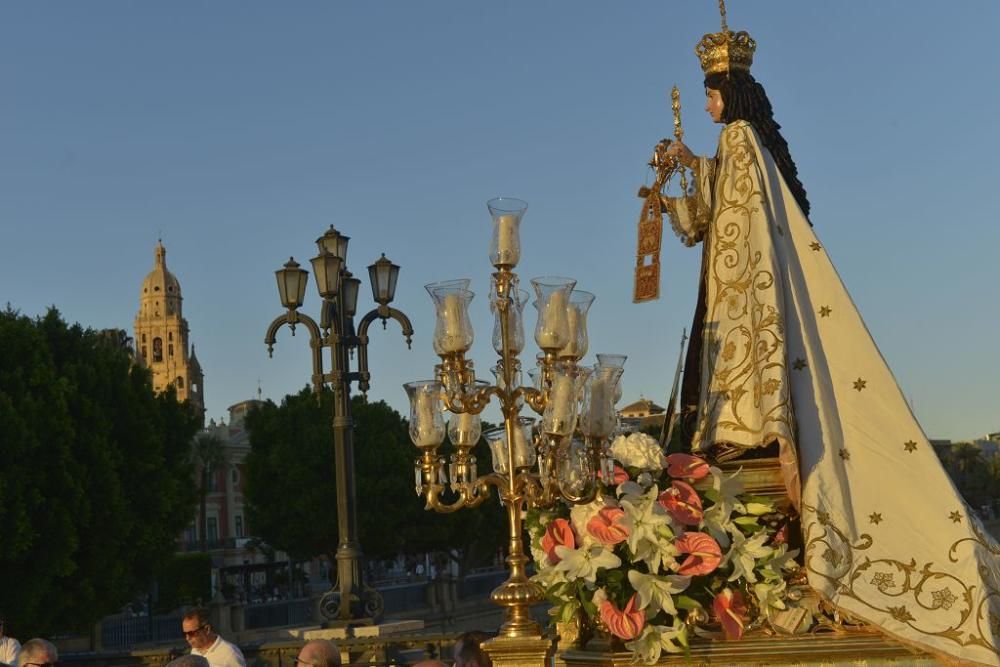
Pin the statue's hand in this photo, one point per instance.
(677, 149)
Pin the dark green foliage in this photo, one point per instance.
(292, 496)
(186, 579)
(95, 484)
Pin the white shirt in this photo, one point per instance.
(9, 649)
(222, 654)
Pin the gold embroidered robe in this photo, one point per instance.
(887, 538)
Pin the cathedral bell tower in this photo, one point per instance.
(161, 336)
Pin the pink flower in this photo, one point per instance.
(557, 534)
(620, 475)
(682, 503)
(731, 611)
(606, 528)
(625, 624)
(780, 537)
(686, 466)
(704, 553)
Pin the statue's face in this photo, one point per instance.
(713, 104)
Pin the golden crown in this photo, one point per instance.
(725, 51)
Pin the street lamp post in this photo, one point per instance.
(351, 599)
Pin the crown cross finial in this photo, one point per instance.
(725, 51)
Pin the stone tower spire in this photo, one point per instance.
(161, 335)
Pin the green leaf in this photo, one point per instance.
(687, 603)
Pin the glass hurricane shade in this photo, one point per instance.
(553, 297)
(559, 418)
(515, 315)
(505, 243)
(334, 242)
(383, 274)
(597, 418)
(326, 268)
(292, 281)
(524, 450)
(576, 320)
(464, 429)
(452, 326)
(427, 427)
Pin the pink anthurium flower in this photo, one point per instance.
(704, 553)
(620, 476)
(626, 623)
(686, 466)
(731, 611)
(606, 526)
(558, 533)
(682, 503)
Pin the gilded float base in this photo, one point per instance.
(854, 649)
(519, 651)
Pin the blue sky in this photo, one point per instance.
(239, 131)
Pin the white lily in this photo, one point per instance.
(718, 522)
(584, 563)
(658, 591)
(547, 575)
(655, 639)
(644, 518)
(781, 559)
(745, 553)
(770, 593)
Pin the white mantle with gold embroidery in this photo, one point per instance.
(787, 357)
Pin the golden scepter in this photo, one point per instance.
(647, 274)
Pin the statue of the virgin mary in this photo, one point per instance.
(781, 361)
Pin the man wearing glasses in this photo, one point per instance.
(38, 653)
(318, 653)
(9, 647)
(204, 642)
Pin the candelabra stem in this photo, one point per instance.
(517, 594)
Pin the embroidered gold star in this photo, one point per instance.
(875, 518)
(956, 516)
(844, 454)
(860, 384)
(910, 446)
(825, 311)
(815, 246)
(799, 364)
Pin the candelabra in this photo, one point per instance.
(350, 600)
(534, 465)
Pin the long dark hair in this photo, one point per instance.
(744, 99)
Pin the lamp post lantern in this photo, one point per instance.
(351, 599)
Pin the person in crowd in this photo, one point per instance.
(318, 653)
(190, 660)
(9, 647)
(204, 641)
(469, 651)
(38, 653)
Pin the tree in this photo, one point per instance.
(292, 497)
(208, 455)
(95, 483)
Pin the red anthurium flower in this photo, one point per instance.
(780, 537)
(682, 503)
(620, 475)
(704, 553)
(557, 534)
(731, 611)
(626, 623)
(606, 526)
(686, 466)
